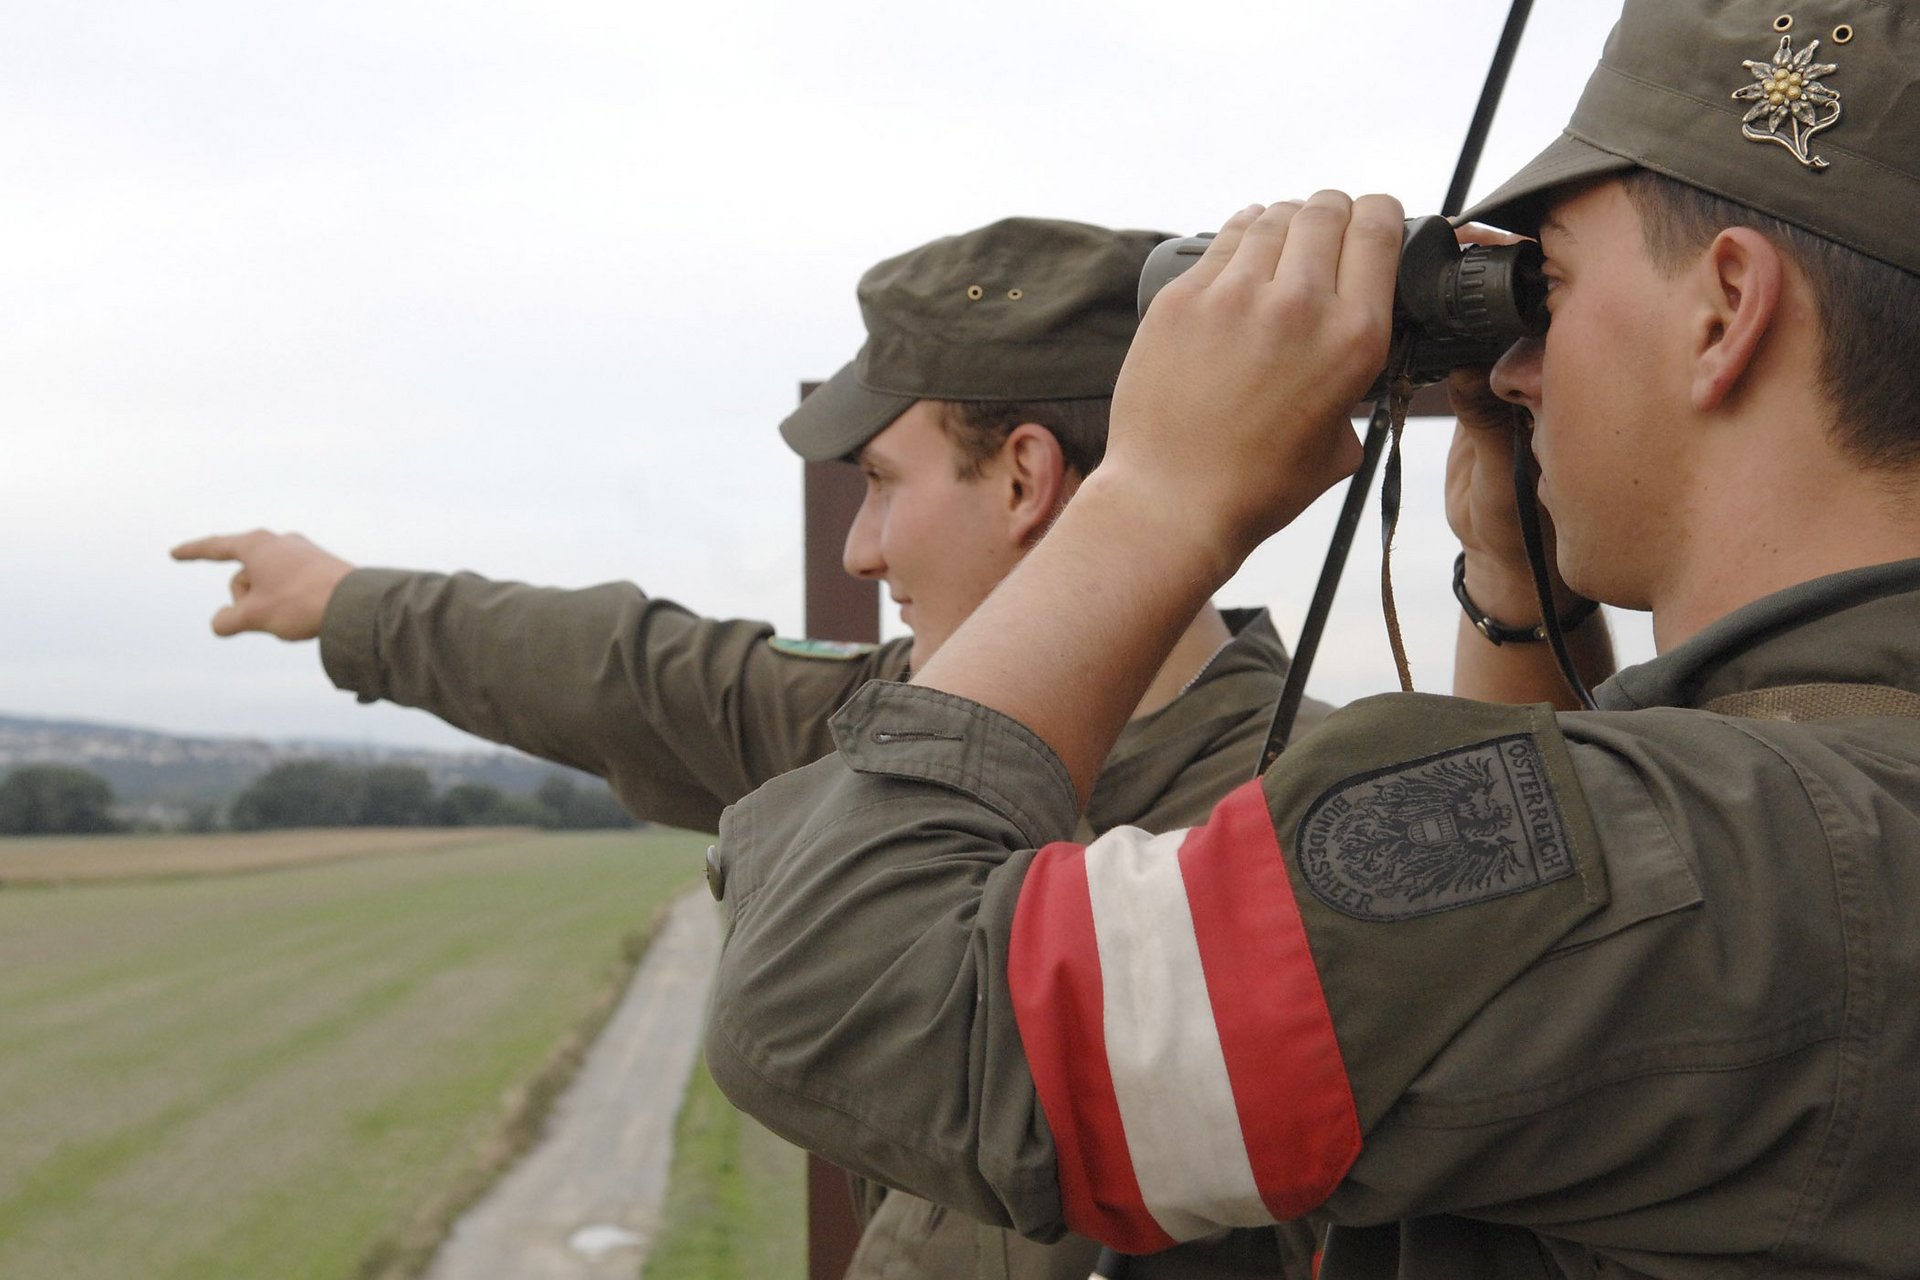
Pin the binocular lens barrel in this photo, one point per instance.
(1461, 305)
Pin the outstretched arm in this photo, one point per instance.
(681, 714)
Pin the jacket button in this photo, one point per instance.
(716, 878)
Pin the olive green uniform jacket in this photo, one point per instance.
(1496, 991)
(684, 715)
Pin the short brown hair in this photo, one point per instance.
(1865, 306)
(978, 428)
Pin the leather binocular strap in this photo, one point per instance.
(1818, 702)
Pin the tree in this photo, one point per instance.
(475, 804)
(395, 795)
(302, 793)
(201, 818)
(325, 793)
(55, 799)
(566, 807)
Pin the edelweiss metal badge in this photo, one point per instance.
(1434, 834)
(1787, 92)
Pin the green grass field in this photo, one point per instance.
(296, 1072)
(737, 1203)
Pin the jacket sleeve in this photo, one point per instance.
(862, 1008)
(1129, 1039)
(1675, 1064)
(681, 714)
(1446, 958)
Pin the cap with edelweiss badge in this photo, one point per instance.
(1806, 111)
(1024, 309)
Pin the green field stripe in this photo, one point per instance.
(736, 1201)
(267, 1075)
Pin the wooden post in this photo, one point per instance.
(839, 607)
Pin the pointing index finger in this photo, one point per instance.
(222, 546)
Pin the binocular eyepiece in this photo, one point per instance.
(1453, 304)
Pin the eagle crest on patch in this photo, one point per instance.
(1434, 834)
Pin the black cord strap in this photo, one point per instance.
(1529, 510)
(1294, 687)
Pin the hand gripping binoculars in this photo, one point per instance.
(1453, 304)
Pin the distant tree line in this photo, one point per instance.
(63, 800)
(326, 793)
(55, 799)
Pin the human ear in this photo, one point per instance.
(1741, 275)
(1036, 480)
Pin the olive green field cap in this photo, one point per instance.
(1024, 309)
(1806, 111)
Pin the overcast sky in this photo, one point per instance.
(526, 288)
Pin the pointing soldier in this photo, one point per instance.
(1493, 990)
(976, 408)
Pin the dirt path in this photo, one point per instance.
(585, 1203)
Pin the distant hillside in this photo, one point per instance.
(151, 770)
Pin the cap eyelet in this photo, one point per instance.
(1842, 33)
(975, 292)
(1014, 295)
(1783, 23)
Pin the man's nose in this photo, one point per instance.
(860, 555)
(1516, 375)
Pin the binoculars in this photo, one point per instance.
(1453, 304)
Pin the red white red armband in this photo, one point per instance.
(1177, 1033)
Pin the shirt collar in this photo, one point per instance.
(1861, 627)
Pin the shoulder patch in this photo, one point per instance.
(1467, 826)
(821, 650)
